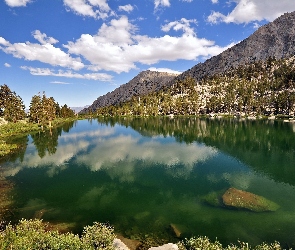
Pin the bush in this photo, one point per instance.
(98, 236)
(203, 243)
(34, 234)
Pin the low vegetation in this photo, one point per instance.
(35, 234)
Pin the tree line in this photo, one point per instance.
(260, 88)
(43, 110)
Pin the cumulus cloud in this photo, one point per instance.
(164, 3)
(68, 74)
(45, 53)
(7, 65)
(253, 10)
(91, 8)
(42, 38)
(214, 1)
(183, 24)
(17, 3)
(165, 70)
(128, 8)
(117, 48)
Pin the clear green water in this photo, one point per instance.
(142, 175)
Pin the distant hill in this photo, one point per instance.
(145, 82)
(275, 39)
(78, 109)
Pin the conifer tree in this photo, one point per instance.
(11, 105)
(36, 110)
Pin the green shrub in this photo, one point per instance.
(98, 236)
(203, 243)
(34, 234)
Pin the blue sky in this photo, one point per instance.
(78, 50)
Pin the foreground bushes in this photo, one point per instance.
(35, 235)
(202, 243)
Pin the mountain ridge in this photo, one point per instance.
(145, 82)
(275, 39)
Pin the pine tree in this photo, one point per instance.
(36, 110)
(11, 105)
(48, 105)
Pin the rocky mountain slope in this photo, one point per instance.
(144, 83)
(275, 39)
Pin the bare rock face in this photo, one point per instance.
(275, 39)
(245, 200)
(144, 83)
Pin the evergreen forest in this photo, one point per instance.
(262, 88)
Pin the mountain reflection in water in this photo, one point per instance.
(147, 176)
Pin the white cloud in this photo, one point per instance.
(214, 1)
(7, 65)
(107, 49)
(68, 74)
(117, 48)
(58, 82)
(45, 53)
(42, 38)
(92, 8)
(165, 70)
(128, 8)
(165, 3)
(183, 24)
(253, 10)
(188, 1)
(17, 3)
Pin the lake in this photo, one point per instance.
(149, 177)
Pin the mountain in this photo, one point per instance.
(78, 109)
(144, 83)
(275, 39)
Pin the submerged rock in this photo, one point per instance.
(245, 200)
(175, 230)
(213, 199)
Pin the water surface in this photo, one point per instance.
(144, 175)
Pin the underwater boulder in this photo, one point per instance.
(240, 199)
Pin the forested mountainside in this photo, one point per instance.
(275, 39)
(260, 88)
(144, 83)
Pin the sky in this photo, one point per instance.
(78, 50)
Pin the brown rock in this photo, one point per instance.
(245, 200)
(176, 230)
(131, 244)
